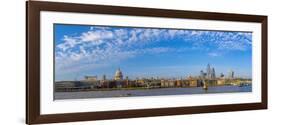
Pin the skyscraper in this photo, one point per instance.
(202, 74)
(213, 73)
(231, 74)
(104, 77)
(222, 75)
(208, 71)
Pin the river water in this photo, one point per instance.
(150, 92)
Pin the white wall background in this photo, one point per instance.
(12, 65)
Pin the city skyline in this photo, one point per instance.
(201, 74)
(82, 50)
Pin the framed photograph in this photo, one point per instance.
(94, 62)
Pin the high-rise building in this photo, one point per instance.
(209, 74)
(104, 77)
(208, 71)
(222, 75)
(202, 74)
(213, 73)
(231, 74)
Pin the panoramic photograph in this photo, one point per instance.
(92, 61)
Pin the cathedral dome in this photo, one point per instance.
(118, 74)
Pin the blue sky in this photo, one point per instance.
(82, 50)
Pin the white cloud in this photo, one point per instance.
(92, 36)
(104, 44)
(68, 42)
(214, 54)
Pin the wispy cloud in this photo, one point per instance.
(214, 54)
(104, 45)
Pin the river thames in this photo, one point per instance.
(149, 92)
